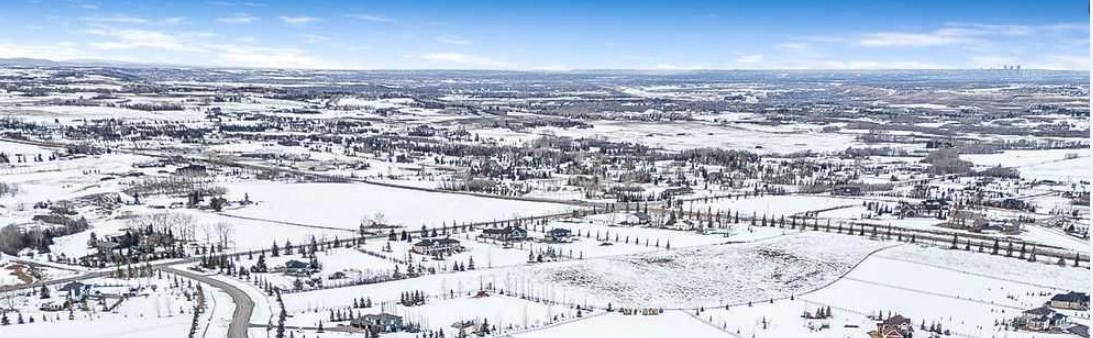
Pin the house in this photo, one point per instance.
(894, 327)
(506, 234)
(386, 322)
(1078, 330)
(149, 164)
(107, 248)
(1013, 204)
(1070, 301)
(297, 268)
(637, 218)
(193, 170)
(847, 191)
(51, 306)
(935, 204)
(558, 235)
(1041, 319)
(76, 291)
(675, 191)
(430, 246)
(967, 220)
(464, 325)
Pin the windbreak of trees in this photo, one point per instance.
(14, 238)
(7, 189)
(947, 161)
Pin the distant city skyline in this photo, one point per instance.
(556, 35)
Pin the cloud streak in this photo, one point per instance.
(448, 60)
(240, 18)
(370, 17)
(453, 40)
(298, 20)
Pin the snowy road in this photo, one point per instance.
(244, 306)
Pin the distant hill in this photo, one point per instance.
(31, 62)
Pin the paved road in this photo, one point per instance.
(105, 272)
(244, 306)
(64, 280)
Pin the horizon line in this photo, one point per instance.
(97, 63)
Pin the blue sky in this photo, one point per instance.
(554, 35)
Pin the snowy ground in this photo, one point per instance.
(669, 278)
(688, 135)
(507, 313)
(668, 324)
(775, 206)
(174, 327)
(156, 309)
(344, 205)
(708, 276)
(14, 273)
(965, 292)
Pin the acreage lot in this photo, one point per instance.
(710, 276)
(343, 205)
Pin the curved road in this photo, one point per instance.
(244, 306)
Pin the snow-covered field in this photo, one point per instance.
(775, 206)
(1022, 158)
(507, 313)
(1040, 164)
(155, 307)
(344, 205)
(668, 324)
(673, 278)
(965, 292)
(172, 327)
(269, 137)
(688, 135)
(709, 276)
(16, 273)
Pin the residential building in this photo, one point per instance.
(385, 322)
(1070, 301)
(506, 234)
(431, 246)
(558, 235)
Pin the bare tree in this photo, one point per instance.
(224, 233)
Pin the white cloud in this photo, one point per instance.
(133, 20)
(672, 66)
(268, 57)
(57, 51)
(552, 68)
(298, 20)
(136, 38)
(991, 61)
(893, 39)
(792, 46)
(464, 60)
(314, 38)
(239, 18)
(965, 33)
(234, 4)
(125, 19)
(749, 59)
(370, 17)
(453, 40)
(1061, 62)
(869, 64)
(633, 57)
